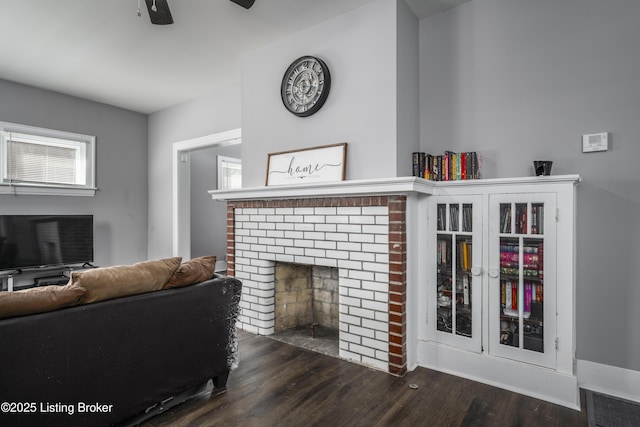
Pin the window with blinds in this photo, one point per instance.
(46, 158)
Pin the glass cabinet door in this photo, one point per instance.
(457, 294)
(522, 321)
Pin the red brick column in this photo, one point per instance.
(397, 285)
(231, 240)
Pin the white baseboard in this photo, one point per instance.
(610, 380)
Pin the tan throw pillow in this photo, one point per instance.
(122, 280)
(194, 271)
(38, 300)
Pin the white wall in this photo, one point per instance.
(519, 80)
(359, 48)
(210, 114)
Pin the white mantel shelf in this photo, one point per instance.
(380, 186)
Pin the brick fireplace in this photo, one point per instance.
(363, 237)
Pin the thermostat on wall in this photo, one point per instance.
(595, 142)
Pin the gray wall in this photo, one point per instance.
(208, 218)
(120, 205)
(210, 114)
(360, 49)
(518, 80)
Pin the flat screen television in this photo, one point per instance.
(35, 241)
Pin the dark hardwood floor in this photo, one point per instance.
(277, 384)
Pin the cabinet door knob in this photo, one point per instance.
(494, 272)
(476, 271)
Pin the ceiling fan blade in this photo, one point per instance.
(244, 3)
(162, 14)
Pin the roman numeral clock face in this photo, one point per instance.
(305, 86)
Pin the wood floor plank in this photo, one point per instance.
(277, 384)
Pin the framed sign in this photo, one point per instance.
(326, 163)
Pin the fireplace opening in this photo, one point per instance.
(306, 306)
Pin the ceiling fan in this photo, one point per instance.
(161, 15)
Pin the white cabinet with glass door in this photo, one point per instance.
(455, 293)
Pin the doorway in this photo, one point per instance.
(182, 184)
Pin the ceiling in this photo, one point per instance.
(102, 51)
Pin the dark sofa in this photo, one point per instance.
(119, 361)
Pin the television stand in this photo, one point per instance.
(59, 279)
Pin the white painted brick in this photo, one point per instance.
(382, 277)
(284, 242)
(302, 243)
(319, 253)
(249, 211)
(266, 331)
(313, 235)
(350, 246)
(338, 255)
(343, 345)
(284, 211)
(324, 244)
(362, 238)
(249, 328)
(382, 355)
(328, 210)
(257, 218)
(262, 308)
(378, 345)
(266, 270)
(337, 219)
(375, 305)
(349, 228)
(293, 234)
(269, 241)
(374, 324)
(275, 218)
(304, 227)
(262, 293)
(241, 218)
(382, 258)
(275, 234)
(326, 262)
(375, 229)
(382, 297)
(242, 275)
(337, 237)
(304, 260)
(365, 351)
(382, 336)
(350, 320)
(261, 263)
(362, 220)
(362, 275)
(375, 248)
(348, 210)
(331, 228)
(243, 246)
(382, 220)
(267, 226)
(284, 258)
(367, 315)
(373, 266)
(349, 283)
(347, 355)
(347, 337)
(258, 233)
(315, 219)
(266, 316)
(284, 226)
(376, 364)
(351, 302)
(239, 232)
(357, 330)
(293, 250)
(275, 249)
(292, 218)
(303, 211)
(375, 210)
(362, 256)
(382, 316)
(248, 225)
(266, 211)
(362, 294)
(271, 256)
(355, 265)
(258, 249)
(382, 239)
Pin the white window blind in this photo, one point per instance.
(35, 157)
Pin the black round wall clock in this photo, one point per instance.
(305, 86)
